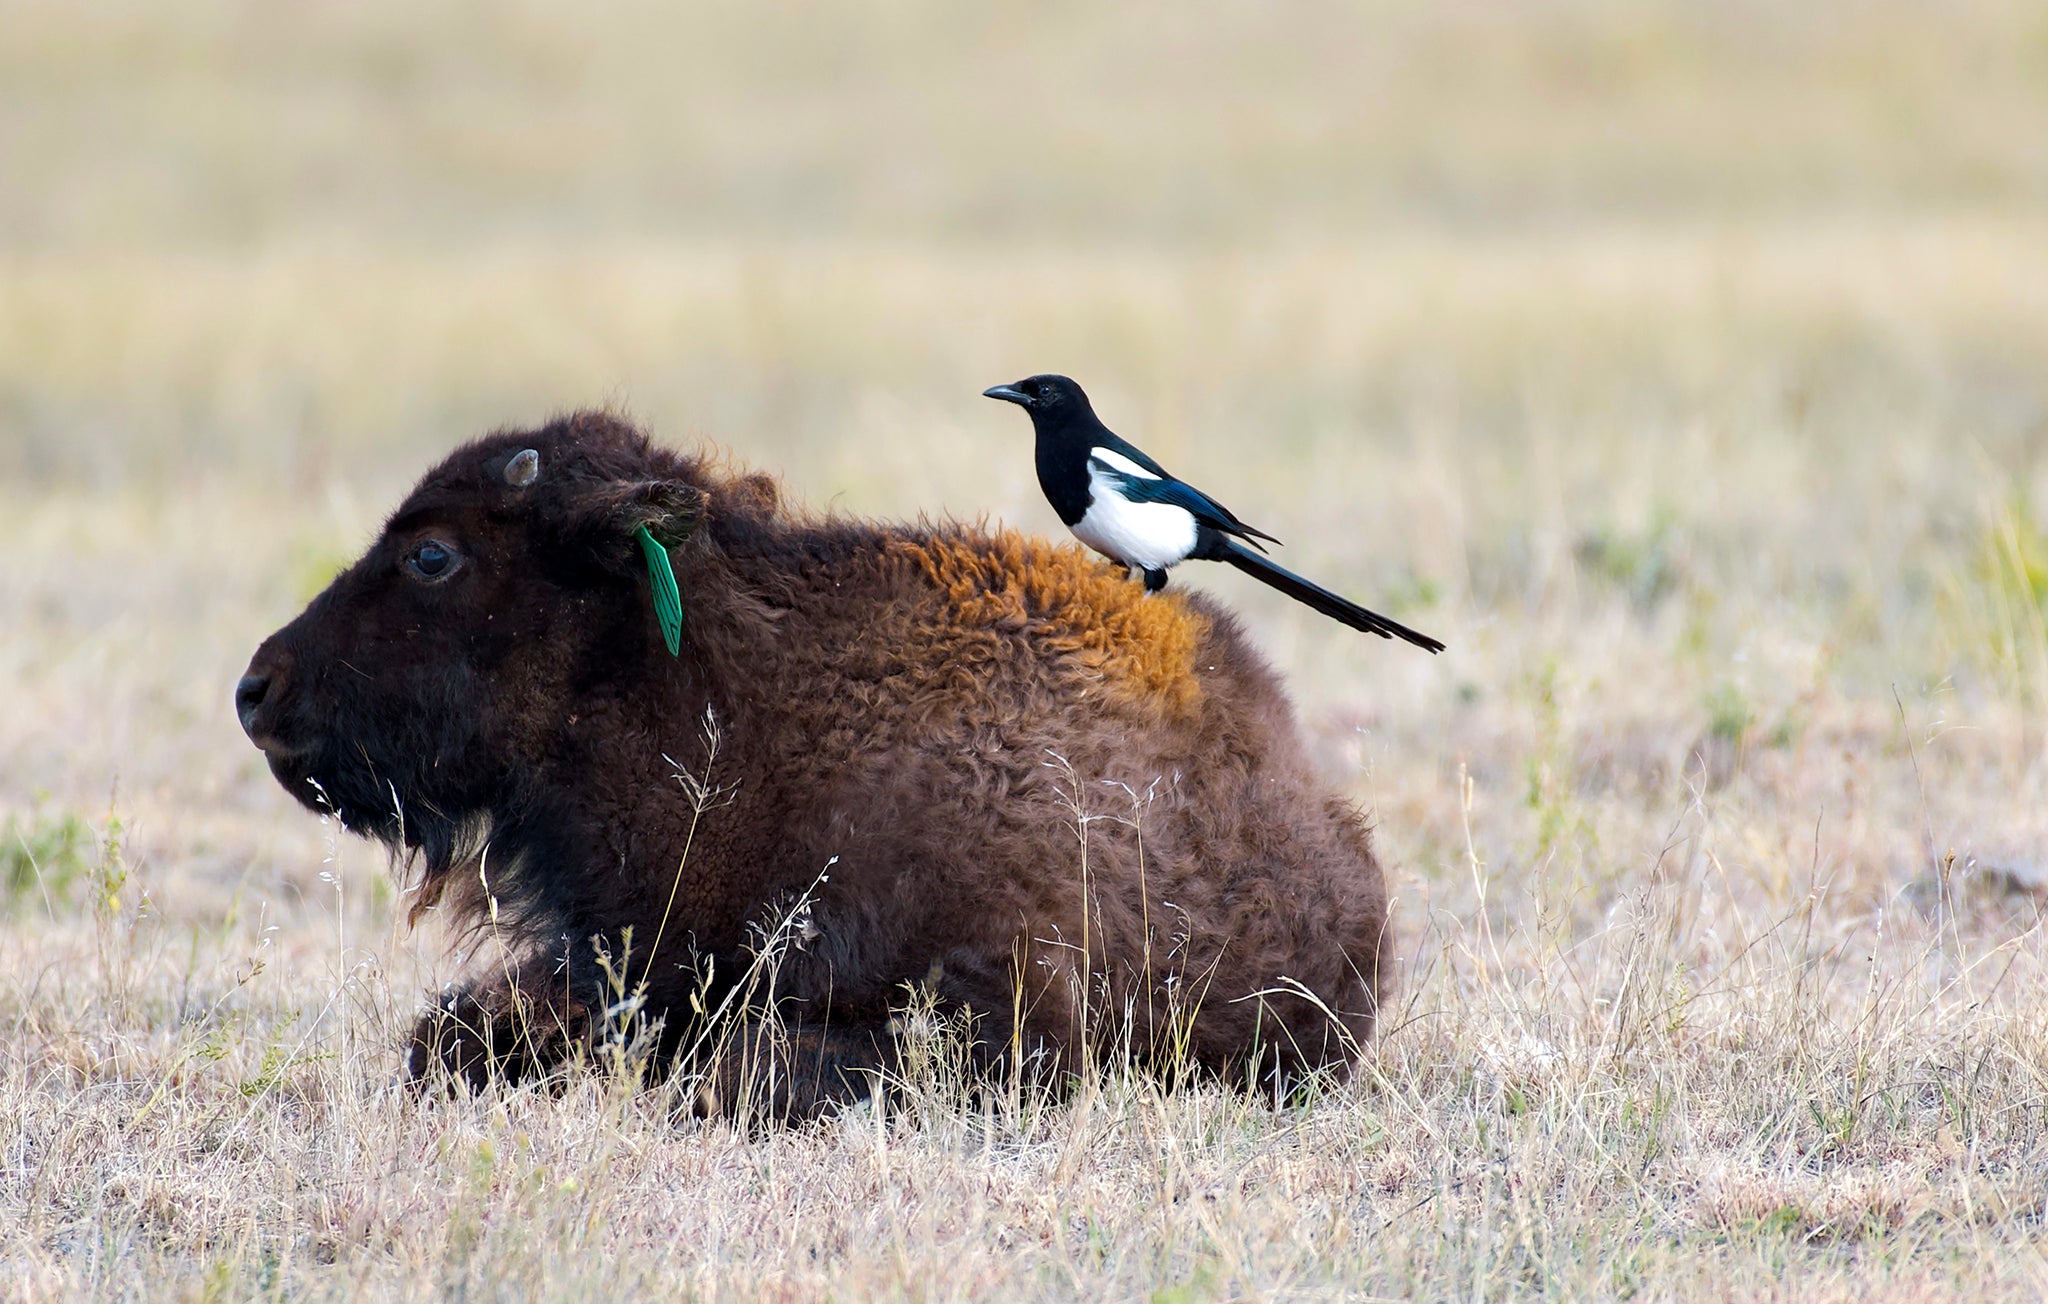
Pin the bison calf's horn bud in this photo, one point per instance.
(523, 469)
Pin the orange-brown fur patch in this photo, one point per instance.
(1142, 643)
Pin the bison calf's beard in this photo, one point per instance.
(972, 772)
(406, 763)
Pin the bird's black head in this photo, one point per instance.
(1044, 397)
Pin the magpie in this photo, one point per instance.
(1130, 509)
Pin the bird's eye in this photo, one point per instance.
(432, 561)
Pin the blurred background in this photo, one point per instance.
(1686, 366)
(300, 239)
(1683, 365)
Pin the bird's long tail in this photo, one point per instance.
(1312, 594)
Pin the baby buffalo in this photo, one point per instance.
(887, 764)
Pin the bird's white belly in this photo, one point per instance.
(1149, 535)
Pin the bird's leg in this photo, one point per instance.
(1155, 580)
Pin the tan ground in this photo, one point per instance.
(1686, 369)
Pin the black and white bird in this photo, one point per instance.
(1131, 510)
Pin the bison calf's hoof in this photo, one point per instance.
(451, 1047)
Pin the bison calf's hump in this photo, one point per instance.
(1081, 620)
(879, 760)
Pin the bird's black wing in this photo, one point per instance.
(1115, 443)
(1180, 493)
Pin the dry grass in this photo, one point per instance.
(1686, 368)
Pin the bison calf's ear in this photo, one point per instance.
(609, 515)
(672, 511)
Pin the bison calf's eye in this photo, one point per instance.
(432, 561)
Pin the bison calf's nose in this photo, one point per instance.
(249, 695)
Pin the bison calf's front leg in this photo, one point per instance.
(513, 1029)
(768, 1070)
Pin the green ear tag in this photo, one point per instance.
(668, 599)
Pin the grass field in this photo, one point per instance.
(1686, 368)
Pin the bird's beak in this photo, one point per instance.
(1008, 394)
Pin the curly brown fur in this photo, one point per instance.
(1022, 779)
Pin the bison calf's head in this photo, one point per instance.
(412, 696)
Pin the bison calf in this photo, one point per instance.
(989, 766)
